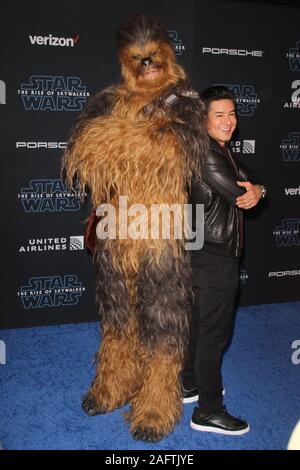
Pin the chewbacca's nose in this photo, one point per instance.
(146, 61)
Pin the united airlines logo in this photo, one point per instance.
(295, 96)
(293, 56)
(288, 233)
(242, 146)
(77, 243)
(49, 195)
(51, 291)
(246, 98)
(52, 244)
(178, 47)
(290, 148)
(53, 93)
(2, 92)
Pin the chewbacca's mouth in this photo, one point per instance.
(151, 73)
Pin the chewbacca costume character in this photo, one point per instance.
(142, 139)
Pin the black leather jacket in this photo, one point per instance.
(218, 191)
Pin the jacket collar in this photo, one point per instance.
(216, 146)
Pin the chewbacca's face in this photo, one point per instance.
(147, 65)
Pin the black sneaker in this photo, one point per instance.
(220, 422)
(189, 396)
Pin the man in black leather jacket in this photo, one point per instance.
(225, 191)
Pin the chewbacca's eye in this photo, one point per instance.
(137, 57)
(153, 54)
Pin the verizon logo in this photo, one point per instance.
(53, 41)
(292, 191)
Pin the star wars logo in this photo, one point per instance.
(49, 195)
(294, 57)
(291, 148)
(288, 233)
(51, 291)
(176, 42)
(242, 146)
(246, 98)
(53, 93)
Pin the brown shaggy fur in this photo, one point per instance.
(118, 376)
(157, 405)
(139, 146)
(140, 161)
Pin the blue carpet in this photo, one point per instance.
(48, 369)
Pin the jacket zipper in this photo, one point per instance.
(238, 228)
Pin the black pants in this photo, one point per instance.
(216, 283)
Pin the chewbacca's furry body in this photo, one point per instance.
(140, 145)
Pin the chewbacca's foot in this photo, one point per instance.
(147, 434)
(91, 407)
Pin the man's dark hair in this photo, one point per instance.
(216, 93)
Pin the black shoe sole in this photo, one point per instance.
(205, 428)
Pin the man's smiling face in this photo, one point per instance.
(221, 120)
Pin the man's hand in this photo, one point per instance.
(251, 197)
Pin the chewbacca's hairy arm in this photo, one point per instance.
(100, 104)
(188, 122)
